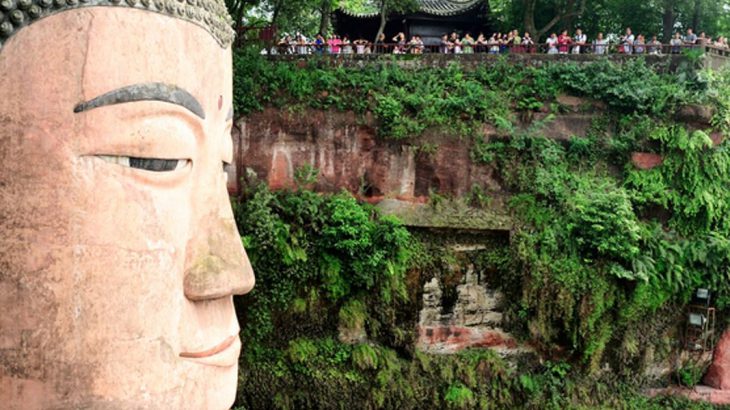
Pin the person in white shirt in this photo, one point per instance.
(600, 45)
(580, 40)
(628, 41)
(552, 44)
(676, 43)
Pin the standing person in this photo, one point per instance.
(702, 39)
(420, 46)
(690, 38)
(481, 43)
(444, 45)
(655, 46)
(455, 43)
(508, 42)
(527, 43)
(564, 42)
(517, 42)
(346, 45)
(334, 44)
(580, 40)
(360, 45)
(302, 44)
(380, 46)
(493, 44)
(400, 43)
(717, 42)
(676, 43)
(468, 43)
(628, 41)
(639, 44)
(319, 44)
(292, 45)
(504, 43)
(413, 45)
(600, 45)
(552, 44)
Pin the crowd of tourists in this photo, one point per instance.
(498, 43)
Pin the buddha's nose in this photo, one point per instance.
(216, 263)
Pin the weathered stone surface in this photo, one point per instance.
(348, 154)
(667, 62)
(116, 281)
(698, 393)
(454, 215)
(718, 375)
(274, 144)
(717, 138)
(474, 321)
(565, 126)
(646, 160)
(696, 113)
(570, 102)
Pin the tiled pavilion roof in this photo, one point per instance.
(433, 7)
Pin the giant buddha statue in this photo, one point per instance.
(119, 256)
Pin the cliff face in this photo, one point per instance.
(274, 144)
(401, 177)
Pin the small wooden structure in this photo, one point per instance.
(700, 330)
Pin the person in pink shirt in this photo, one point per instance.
(334, 43)
(564, 41)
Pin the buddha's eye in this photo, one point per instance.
(147, 164)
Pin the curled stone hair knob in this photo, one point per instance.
(17, 17)
(7, 5)
(211, 14)
(6, 29)
(34, 12)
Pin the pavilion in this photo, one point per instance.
(433, 18)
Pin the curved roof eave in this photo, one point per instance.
(442, 8)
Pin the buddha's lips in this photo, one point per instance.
(210, 352)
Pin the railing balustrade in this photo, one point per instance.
(496, 49)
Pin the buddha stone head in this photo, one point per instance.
(119, 255)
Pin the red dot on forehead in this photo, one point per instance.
(220, 102)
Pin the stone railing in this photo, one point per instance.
(715, 58)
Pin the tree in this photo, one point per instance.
(565, 11)
(393, 7)
(237, 9)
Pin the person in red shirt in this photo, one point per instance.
(564, 41)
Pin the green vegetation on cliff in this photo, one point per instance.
(407, 101)
(327, 266)
(602, 258)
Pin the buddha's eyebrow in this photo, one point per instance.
(145, 92)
